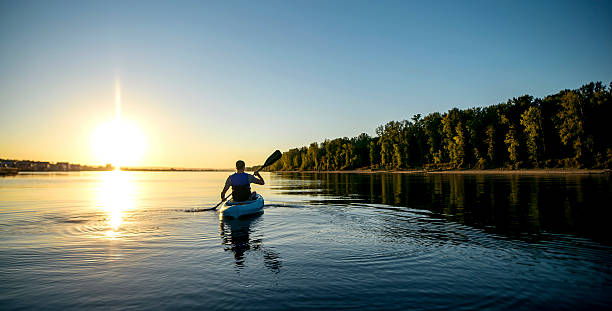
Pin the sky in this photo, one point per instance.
(208, 82)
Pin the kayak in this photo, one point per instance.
(245, 208)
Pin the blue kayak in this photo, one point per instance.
(245, 208)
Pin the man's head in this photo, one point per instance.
(239, 165)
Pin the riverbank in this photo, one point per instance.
(5, 171)
(172, 169)
(550, 171)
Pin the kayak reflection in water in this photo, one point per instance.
(241, 184)
(235, 234)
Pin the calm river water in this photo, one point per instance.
(122, 240)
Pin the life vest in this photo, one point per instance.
(241, 187)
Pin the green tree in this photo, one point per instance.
(458, 150)
(454, 137)
(385, 153)
(397, 156)
(373, 152)
(513, 144)
(313, 156)
(432, 129)
(490, 142)
(349, 157)
(531, 120)
(571, 127)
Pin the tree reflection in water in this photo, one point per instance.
(236, 235)
(513, 205)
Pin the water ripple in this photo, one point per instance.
(321, 248)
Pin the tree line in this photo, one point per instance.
(570, 129)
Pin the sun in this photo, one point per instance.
(119, 142)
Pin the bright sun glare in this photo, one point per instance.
(118, 142)
(116, 195)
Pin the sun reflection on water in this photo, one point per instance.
(116, 195)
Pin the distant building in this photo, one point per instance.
(63, 166)
(25, 165)
(7, 163)
(41, 166)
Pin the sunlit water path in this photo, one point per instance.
(122, 240)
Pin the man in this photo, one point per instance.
(241, 183)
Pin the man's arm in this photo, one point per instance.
(258, 180)
(225, 188)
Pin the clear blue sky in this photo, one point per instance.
(212, 81)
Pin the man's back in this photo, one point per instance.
(241, 183)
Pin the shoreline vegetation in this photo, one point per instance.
(564, 133)
(496, 171)
(567, 132)
(501, 171)
(173, 169)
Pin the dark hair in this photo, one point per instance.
(239, 165)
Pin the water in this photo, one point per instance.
(122, 240)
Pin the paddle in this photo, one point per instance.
(269, 161)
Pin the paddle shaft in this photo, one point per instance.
(227, 197)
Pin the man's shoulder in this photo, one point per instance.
(240, 175)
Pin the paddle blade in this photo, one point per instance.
(272, 159)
